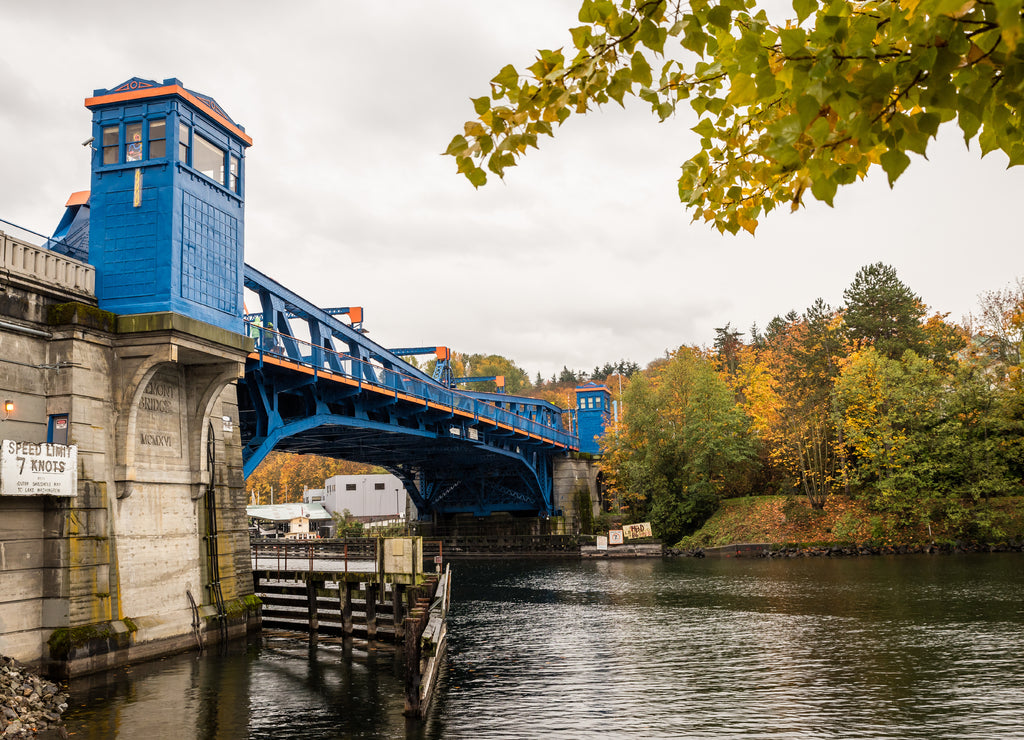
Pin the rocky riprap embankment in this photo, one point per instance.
(30, 706)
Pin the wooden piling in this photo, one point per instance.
(345, 599)
(311, 591)
(397, 595)
(371, 611)
(412, 664)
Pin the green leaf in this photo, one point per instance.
(481, 105)
(507, 77)
(720, 16)
(804, 8)
(928, 123)
(641, 69)
(819, 131)
(807, 107)
(792, 40)
(894, 162)
(587, 12)
(477, 176)
(705, 128)
(743, 90)
(652, 36)
(694, 37)
(620, 85)
(457, 146)
(580, 36)
(824, 188)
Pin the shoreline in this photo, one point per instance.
(784, 550)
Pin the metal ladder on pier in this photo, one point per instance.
(211, 539)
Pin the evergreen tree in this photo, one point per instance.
(883, 313)
(727, 345)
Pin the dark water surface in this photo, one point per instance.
(902, 647)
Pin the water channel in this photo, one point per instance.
(874, 647)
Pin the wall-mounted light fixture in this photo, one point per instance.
(8, 409)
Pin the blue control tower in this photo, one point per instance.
(167, 203)
(593, 409)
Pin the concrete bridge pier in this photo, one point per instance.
(162, 519)
(155, 519)
(577, 482)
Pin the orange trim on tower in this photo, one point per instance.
(78, 199)
(163, 91)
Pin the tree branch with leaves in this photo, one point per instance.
(782, 109)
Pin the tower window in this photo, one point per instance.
(133, 142)
(234, 166)
(184, 139)
(111, 145)
(208, 159)
(158, 138)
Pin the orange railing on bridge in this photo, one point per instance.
(371, 376)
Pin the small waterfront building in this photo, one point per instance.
(593, 411)
(368, 498)
(291, 521)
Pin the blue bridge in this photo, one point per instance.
(163, 225)
(315, 384)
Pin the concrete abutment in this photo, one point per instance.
(104, 577)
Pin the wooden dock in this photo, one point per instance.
(376, 592)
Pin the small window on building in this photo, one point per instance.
(158, 139)
(350, 486)
(184, 143)
(208, 158)
(133, 142)
(111, 145)
(590, 402)
(234, 168)
(378, 486)
(583, 404)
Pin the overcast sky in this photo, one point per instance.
(582, 255)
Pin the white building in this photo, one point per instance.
(293, 521)
(368, 498)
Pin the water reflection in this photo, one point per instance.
(912, 647)
(274, 687)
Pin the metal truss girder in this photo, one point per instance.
(289, 405)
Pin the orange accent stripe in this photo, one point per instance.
(328, 375)
(159, 92)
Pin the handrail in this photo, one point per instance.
(272, 343)
(302, 553)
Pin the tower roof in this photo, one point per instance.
(137, 88)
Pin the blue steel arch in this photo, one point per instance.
(314, 384)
